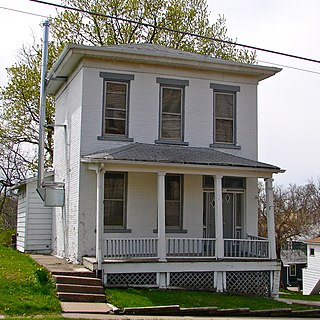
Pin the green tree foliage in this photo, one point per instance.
(189, 16)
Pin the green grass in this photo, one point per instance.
(125, 298)
(286, 294)
(25, 287)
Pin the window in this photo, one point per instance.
(311, 252)
(224, 114)
(116, 108)
(293, 270)
(115, 200)
(116, 104)
(173, 201)
(171, 127)
(171, 113)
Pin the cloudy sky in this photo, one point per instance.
(289, 104)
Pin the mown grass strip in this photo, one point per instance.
(125, 298)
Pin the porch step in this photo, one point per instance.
(86, 274)
(81, 297)
(89, 281)
(79, 288)
(74, 287)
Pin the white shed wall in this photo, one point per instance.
(311, 275)
(34, 223)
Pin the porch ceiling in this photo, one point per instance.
(137, 153)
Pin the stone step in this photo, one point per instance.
(81, 297)
(87, 273)
(75, 288)
(63, 279)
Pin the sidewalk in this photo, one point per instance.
(301, 302)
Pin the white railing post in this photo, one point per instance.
(161, 217)
(99, 219)
(270, 218)
(218, 216)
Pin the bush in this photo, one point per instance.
(6, 237)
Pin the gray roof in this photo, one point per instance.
(293, 257)
(161, 153)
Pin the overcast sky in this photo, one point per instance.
(288, 103)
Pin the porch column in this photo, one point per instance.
(99, 219)
(270, 218)
(161, 217)
(218, 216)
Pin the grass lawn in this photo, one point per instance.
(286, 294)
(25, 288)
(189, 299)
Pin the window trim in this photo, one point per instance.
(179, 228)
(311, 252)
(115, 228)
(292, 274)
(115, 78)
(231, 90)
(178, 84)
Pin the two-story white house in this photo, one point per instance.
(157, 149)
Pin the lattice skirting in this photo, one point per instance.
(131, 279)
(249, 282)
(192, 280)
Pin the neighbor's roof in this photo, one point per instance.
(293, 257)
(313, 241)
(175, 154)
(153, 54)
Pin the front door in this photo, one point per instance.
(232, 208)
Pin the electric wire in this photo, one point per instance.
(289, 67)
(149, 25)
(25, 12)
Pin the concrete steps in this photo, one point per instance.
(79, 287)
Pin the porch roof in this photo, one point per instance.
(175, 154)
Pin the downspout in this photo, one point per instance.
(42, 111)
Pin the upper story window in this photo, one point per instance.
(171, 124)
(311, 252)
(224, 114)
(116, 104)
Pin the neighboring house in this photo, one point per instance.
(293, 260)
(157, 149)
(311, 275)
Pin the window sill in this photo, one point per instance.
(181, 143)
(225, 146)
(172, 231)
(115, 138)
(117, 230)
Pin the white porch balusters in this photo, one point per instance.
(99, 219)
(270, 217)
(161, 217)
(218, 216)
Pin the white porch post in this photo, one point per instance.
(99, 219)
(270, 218)
(161, 217)
(218, 216)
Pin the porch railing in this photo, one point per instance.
(139, 248)
(246, 248)
(134, 248)
(191, 247)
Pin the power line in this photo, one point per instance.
(149, 25)
(25, 12)
(289, 67)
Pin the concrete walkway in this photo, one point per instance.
(301, 302)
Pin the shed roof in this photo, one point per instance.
(293, 257)
(175, 154)
(313, 241)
